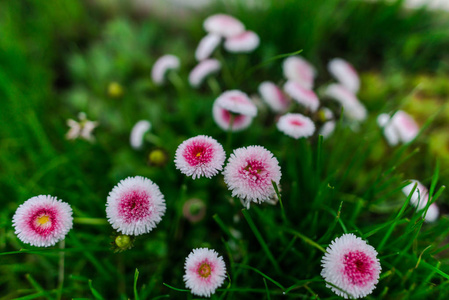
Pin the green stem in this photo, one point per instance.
(213, 85)
(174, 78)
(276, 189)
(61, 269)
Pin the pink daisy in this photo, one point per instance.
(296, 125)
(202, 70)
(200, 156)
(247, 41)
(399, 128)
(351, 266)
(302, 95)
(237, 102)
(162, 66)
(299, 70)
(135, 206)
(42, 221)
(420, 198)
(222, 118)
(250, 172)
(345, 73)
(223, 25)
(389, 131)
(353, 108)
(205, 272)
(207, 46)
(274, 96)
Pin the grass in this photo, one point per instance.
(349, 183)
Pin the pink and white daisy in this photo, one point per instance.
(420, 198)
(206, 46)
(162, 66)
(237, 102)
(202, 70)
(351, 266)
(299, 70)
(222, 118)
(353, 108)
(345, 73)
(329, 126)
(245, 42)
(205, 272)
(137, 133)
(399, 128)
(432, 213)
(302, 95)
(249, 174)
(223, 25)
(42, 221)
(296, 125)
(200, 156)
(135, 206)
(274, 97)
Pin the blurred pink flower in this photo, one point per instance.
(237, 102)
(420, 198)
(302, 95)
(399, 128)
(135, 206)
(205, 272)
(299, 70)
(42, 221)
(353, 108)
(200, 156)
(162, 66)
(247, 41)
(206, 46)
(274, 97)
(222, 118)
(137, 133)
(296, 125)
(202, 70)
(351, 266)
(345, 73)
(249, 174)
(223, 25)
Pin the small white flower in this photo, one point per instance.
(202, 70)
(299, 70)
(82, 129)
(345, 73)
(206, 46)
(353, 108)
(302, 95)
(274, 97)
(296, 125)
(223, 25)
(245, 42)
(162, 66)
(137, 133)
(237, 102)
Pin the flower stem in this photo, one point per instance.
(61, 268)
(213, 85)
(276, 189)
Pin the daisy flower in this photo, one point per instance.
(249, 174)
(137, 133)
(206, 46)
(399, 128)
(82, 129)
(222, 118)
(345, 73)
(351, 266)
(223, 25)
(274, 96)
(296, 125)
(205, 271)
(329, 126)
(237, 102)
(42, 221)
(202, 70)
(135, 206)
(353, 108)
(162, 66)
(302, 95)
(247, 41)
(420, 198)
(297, 69)
(200, 156)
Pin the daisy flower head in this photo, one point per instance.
(207, 46)
(135, 206)
(137, 133)
(237, 102)
(420, 195)
(223, 25)
(42, 221)
(406, 127)
(162, 66)
(205, 271)
(296, 125)
(249, 174)
(274, 97)
(302, 95)
(351, 266)
(82, 129)
(328, 127)
(200, 156)
(297, 69)
(245, 42)
(223, 117)
(202, 70)
(353, 108)
(345, 73)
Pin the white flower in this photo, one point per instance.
(247, 41)
(162, 66)
(82, 129)
(274, 96)
(353, 108)
(206, 46)
(137, 133)
(299, 70)
(296, 125)
(223, 25)
(237, 102)
(345, 73)
(202, 70)
(302, 95)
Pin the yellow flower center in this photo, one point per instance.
(199, 154)
(42, 220)
(204, 270)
